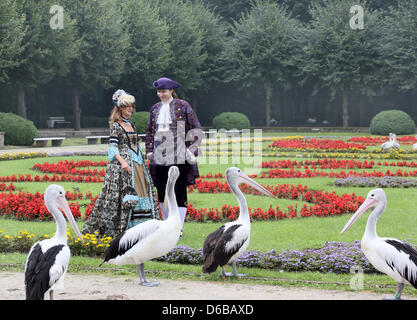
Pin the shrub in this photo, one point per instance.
(140, 119)
(17, 130)
(395, 121)
(231, 120)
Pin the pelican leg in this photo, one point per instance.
(223, 273)
(141, 272)
(235, 273)
(397, 296)
(51, 294)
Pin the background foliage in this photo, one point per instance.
(271, 59)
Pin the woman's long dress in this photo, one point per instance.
(126, 198)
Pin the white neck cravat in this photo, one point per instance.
(164, 118)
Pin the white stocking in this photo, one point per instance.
(183, 212)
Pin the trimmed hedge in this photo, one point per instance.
(17, 130)
(395, 121)
(231, 120)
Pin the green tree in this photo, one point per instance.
(399, 46)
(230, 10)
(185, 39)
(149, 48)
(261, 50)
(213, 33)
(342, 58)
(102, 49)
(46, 51)
(11, 36)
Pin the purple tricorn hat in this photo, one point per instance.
(165, 83)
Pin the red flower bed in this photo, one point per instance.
(23, 205)
(4, 187)
(69, 167)
(325, 203)
(314, 144)
(53, 178)
(31, 206)
(277, 173)
(321, 164)
(373, 141)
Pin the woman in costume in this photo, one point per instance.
(127, 197)
(173, 136)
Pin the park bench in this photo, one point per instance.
(94, 139)
(105, 139)
(42, 142)
(58, 122)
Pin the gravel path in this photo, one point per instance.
(103, 287)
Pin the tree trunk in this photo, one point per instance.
(39, 108)
(21, 103)
(268, 88)
(345, 107)
(76, 108)
(362, 111)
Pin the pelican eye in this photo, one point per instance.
(372, 195)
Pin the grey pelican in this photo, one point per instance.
(150, 239)
(388, 255)
(48, 259)
(227, 243)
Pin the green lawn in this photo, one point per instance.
(398, 221)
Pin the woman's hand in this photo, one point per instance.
(125, 166)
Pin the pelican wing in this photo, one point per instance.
(221, 245)
(209, 264)
(128, 238)
(37, 270)
(400, 257)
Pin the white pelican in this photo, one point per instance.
(388, 255)
(391, 143)
(150, 239)
(227, 243)
(395, 144)
(48, 259)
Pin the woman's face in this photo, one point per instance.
(127, 111)
(164, 94)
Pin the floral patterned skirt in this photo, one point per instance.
(111, 214)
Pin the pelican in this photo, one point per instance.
(391, 143)
(150, 239)
(227, 243)
(48, 259)
(388, 255)
(395, 144)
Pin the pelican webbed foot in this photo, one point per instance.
(149, 284)
(232, 274)
(143, 282)
(397, 296)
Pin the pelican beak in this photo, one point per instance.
(63, 205)
(368, 203)
(245, 179)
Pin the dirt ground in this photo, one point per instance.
(102, 287)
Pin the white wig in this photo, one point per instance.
(125, 100)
